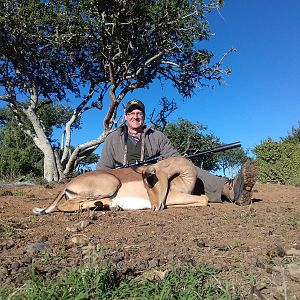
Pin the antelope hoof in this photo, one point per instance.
(39, 211)
(115, 207)
(161, 206)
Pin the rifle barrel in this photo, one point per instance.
(217, 149)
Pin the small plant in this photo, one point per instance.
(6, 230)
(247, 275)
(292, 221)
(44, 257)
(18, 194)
(248, 214)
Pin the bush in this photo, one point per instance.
(278, 162)
(16, 162)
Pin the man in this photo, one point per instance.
(136, 141)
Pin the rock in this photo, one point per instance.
(92, 215)
(293, 270)
(88, 250)
(153, 263)
(276, 251)
(155, 275)
(83, 224)
(72, 229)
(143, 265)
(117, 258)
(7, 280)
(79, 226)
(297, 246)
(26, 260)
(80, 240)
(200, 243)
(44, 239)
(293, 252)
(6, 193)
(269, 270)
(3, 271)
(36, 247)
(20, 279)
(15, 265)
(2, 277)
(280, 251)
(10, 244)
(13, 272)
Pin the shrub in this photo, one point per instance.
(278, 162)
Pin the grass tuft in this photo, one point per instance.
(93, 282)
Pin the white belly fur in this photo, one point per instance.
(132, 203)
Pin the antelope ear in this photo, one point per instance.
(149, 177)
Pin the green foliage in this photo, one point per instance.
(294, 136)
(18, 155)
(190, 138)
(102, 283)
(31, 50)
(84, 165)
(16, 162)
(278, 162)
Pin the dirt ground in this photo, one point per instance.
(255, 248)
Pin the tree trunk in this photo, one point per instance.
(50, 168)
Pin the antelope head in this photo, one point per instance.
(156, 182)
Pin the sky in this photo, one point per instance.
(261, 97)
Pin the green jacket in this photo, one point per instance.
(113, 153)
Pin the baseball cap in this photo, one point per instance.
(134, 103)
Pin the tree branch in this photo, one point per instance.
(76, 114)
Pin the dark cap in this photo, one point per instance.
(135, 103)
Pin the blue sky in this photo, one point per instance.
(261, 98)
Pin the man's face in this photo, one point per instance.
(135, 119)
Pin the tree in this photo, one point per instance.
(94, 53)
(230, 160)
(190, 138)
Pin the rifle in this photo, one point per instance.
(153, 159)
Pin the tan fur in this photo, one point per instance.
(169, 182)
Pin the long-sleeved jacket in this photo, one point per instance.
(113, 153)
